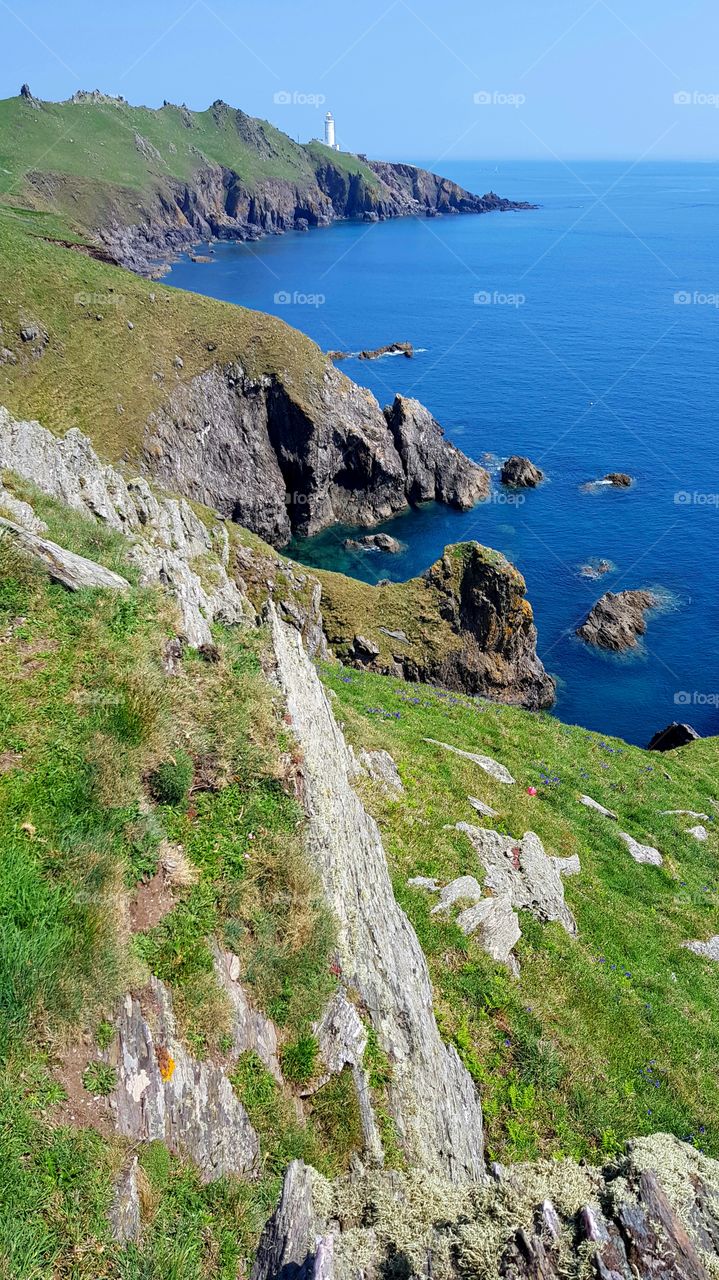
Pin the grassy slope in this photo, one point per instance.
(91, 366)
(95, 144)
(610, 1035)
(89, 716)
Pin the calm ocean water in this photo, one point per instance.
(583, 359)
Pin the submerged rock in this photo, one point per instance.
(521, 473)
(675, 735)
(374, 542)
(617, 621)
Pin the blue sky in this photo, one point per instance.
(413, 79)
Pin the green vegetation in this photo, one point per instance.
(606, 1036)
(170, 782)
(299, 1059)
(90, 716)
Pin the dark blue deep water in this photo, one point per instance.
(594, 367)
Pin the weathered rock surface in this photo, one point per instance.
(167, 537)
(342, 1039)
(492, 919)
(522, 870)
(163, 1093)
(125, 1207)
(675, 735)
(698, 832)
(707, 950)
(382, 769)
(651, 1214)
(642, 852)
(521, 473)
(617, 621)
(495, 770)
(63, 566)
(598, 808)
(486, 810)
(431, 1096)
(619, 479)
(252, 1031)
(433, 467)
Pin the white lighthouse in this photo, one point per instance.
(330, 132)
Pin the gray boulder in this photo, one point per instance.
(617, 621)
(520, 473)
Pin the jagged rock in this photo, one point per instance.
(496, 926)
(382, 769)
(464, 887)
(520, 473)
(395, 635)
(599, 808)
(699, 832)
(20, 512)
(251, 1030)
(708, 950)
(72, 571)
(146, 149)
(617, 621)
(523, 871)
(390, 349)
(490, 766)
(619, 479)
(374, 542)
(596, 568)
(125, 1207)
(364, 649)
(342, 1039)
(641, 852)
(167, 537)
(486, 810)
(675, 735)
(433, 467)
(658, 1220)
(165, 1094)
(431, 1097)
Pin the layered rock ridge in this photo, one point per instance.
(432, 1099)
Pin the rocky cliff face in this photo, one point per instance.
(281, 465)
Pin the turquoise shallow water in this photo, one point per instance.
(584, 359)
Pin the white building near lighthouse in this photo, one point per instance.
(330, 132)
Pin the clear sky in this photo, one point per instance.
(419, 79)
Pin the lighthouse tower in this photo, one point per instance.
(330, 132)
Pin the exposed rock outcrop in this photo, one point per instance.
(617, 621)
(282, 463)
(675, 735)
(167, 538)
(650, 1214)
(521, 473)
(522, 871)
(433, 467)
(63, 566)
(431, 1096)
(641, 852)
(163, 1093)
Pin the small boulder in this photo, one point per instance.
(675, 735)
(364, 649)
(521, 473)
(617, 620)
(641, 852)
(382, 769)
(599, 808)
(699, 832)
(707, 950)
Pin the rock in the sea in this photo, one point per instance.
(374, 542)
(641, 852)
(675, 735)
(596, 568)
(522, 870)
(619, 479)
(521, 473)
(391, 349)
(617, 621)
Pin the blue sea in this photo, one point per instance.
(583, 334)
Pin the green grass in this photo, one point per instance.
(604, 1037)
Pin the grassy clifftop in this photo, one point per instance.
(137, 149)
(108, 341)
